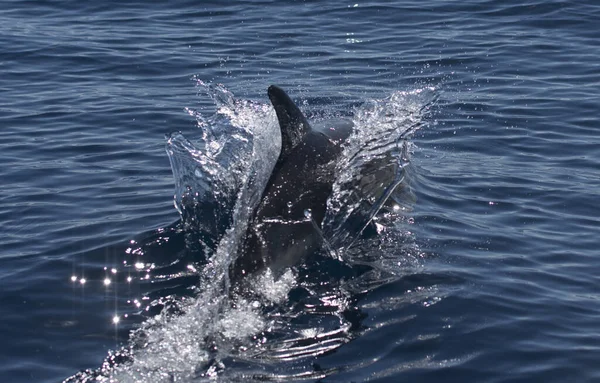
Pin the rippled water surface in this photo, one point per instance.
(491, 275)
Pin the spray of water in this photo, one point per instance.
(219, 179)
(218, 184)
(374, 172)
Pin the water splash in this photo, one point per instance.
(374, 172)
(219, 182)
(234, 156)
(219, 335)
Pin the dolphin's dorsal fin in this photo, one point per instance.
(292, 122)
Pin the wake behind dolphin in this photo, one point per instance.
(285, 222)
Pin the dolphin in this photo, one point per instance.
(286, 224)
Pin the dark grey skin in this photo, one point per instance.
(281, 232)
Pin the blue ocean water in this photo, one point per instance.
(506, 177)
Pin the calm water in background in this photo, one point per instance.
(507, 173)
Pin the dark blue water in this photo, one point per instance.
(506, 175)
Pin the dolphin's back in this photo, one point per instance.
(336, 130)
(303, 176)
(280, 234)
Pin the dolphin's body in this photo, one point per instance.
(286, 224)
